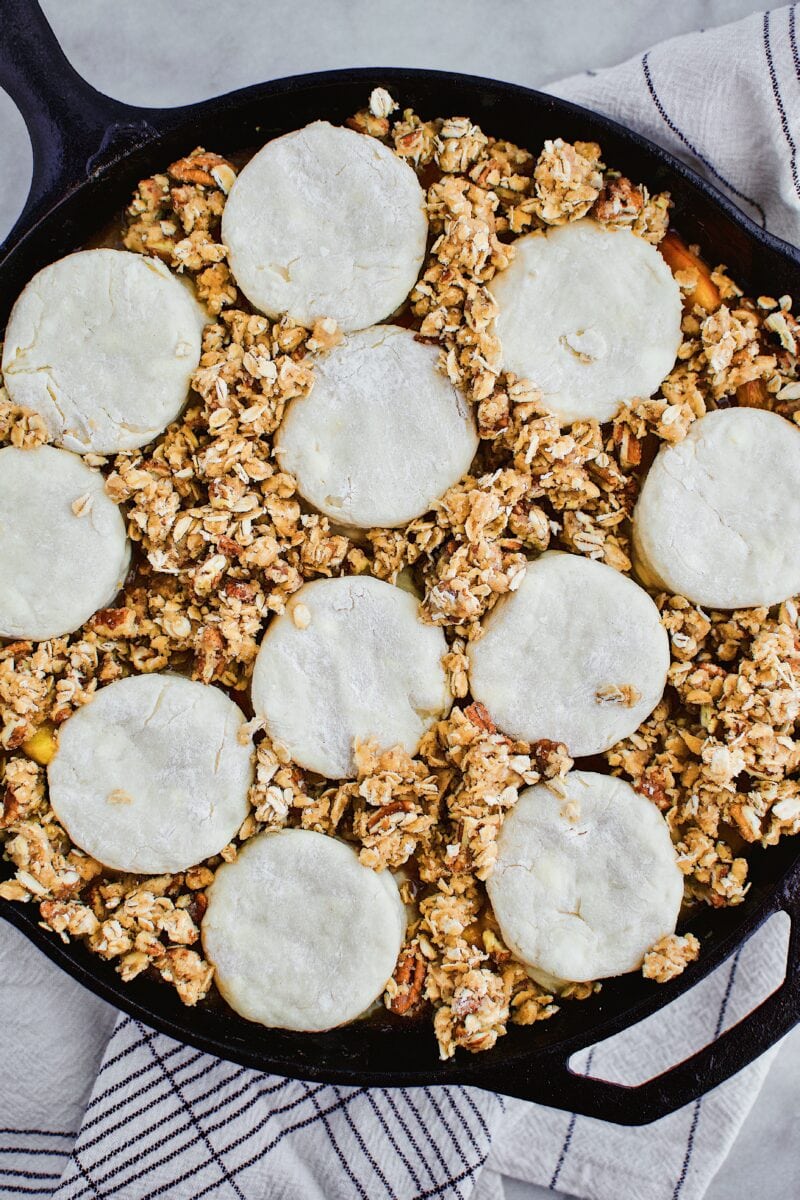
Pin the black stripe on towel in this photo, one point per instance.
(776, 92)
(662, 112)
(698, 1104)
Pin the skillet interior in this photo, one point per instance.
(529, 1062)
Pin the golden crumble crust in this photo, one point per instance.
(222, 540)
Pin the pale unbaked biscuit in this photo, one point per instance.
(382, 434)
(103, 344)
(326, 222)
(718, 516)
(300, 934)
(577, 654)
(63, 548)
(585, 883)
(349, 659)
(590, 315)
(151, 776)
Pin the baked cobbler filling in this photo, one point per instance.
(443, 464)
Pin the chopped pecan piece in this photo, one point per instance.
(388, 810)
(114, 622)
(202, 167)
(753, 394)
(404, 995)
(652, 785)
(210, 654)
(478, 714)
(545, 751)
(10, 809)
(230, 548)
(619, 203)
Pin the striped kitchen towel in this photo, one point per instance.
(726, 101)
(166, 1121)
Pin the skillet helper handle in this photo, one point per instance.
(74, 129)
(548, 1080)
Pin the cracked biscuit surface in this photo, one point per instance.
(151, 775)
(383, 433)
(586, 878)
(577, 654)
(102, 344)
(718, 518)
(301, 935)
(349, 660)
(325, 222)
(591, 315)
(64, 552)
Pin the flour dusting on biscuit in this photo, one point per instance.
(300, 934)
(103, 344)
(326, 222)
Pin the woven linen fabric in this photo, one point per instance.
(726, 101)
(167, 1121)
(164, 1120)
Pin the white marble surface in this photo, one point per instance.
(176, 51)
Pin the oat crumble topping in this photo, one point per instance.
(669, 956)
(222, 541)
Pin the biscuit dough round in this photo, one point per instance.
(63, 548)
(151, 776)
(592, 316)
(577, 654)
(300, 934)
(718, 517)
(349, 659)
(102, 344)
(586, 883)
(326, 222)
(382, 434)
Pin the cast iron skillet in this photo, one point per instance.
(88, 153)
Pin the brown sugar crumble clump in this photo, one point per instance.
(222, 541)
(669, 956)
(719, 755)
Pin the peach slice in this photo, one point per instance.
(679, 257)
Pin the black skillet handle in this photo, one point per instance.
(550, 1081)
(74, 129)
